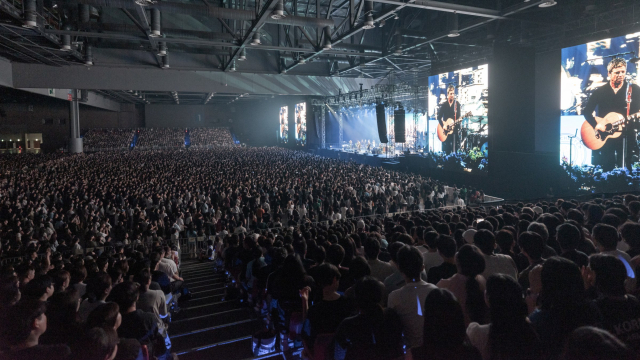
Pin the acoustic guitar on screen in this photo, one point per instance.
(449, 126)
(614, 124)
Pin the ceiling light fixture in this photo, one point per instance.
(548, 3)
(256, 39)
(278, 11)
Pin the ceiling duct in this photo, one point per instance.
(30, 14)
(278, 11)
(368, 22)
(256, 39)
(326, 42)
(210, 11)
(243, 55)
(65, 40)
(162, 48)
(453, 25)
(302, 21)
(170, 32)
(84, 13)
(398, 44)
(88, 55)
(155, 23)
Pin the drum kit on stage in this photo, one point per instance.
(477, 136)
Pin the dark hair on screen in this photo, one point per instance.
(471, 263)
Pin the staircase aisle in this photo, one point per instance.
(208, 327)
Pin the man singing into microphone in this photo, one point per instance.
(612, 97)
(450, 109)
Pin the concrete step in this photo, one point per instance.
(205, 337)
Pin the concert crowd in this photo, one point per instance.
(90, 253)
(107, 138)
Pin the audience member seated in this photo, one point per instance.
(91, 224)
(325, 315)
(103, 139)
(467, 285)
(509, 335)
(563, 305)
(207, 137)
(374, 333)
(444, 335)
(408, 300)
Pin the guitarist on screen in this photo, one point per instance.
(609, 98)
(450, 109)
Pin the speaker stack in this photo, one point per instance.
(382, 123)
(398, 118)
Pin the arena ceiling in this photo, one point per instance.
(367, 41)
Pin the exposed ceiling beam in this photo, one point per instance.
(507, 12)
(255, 26)
(349, 34)
(447, 7)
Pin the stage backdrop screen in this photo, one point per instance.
(458, 126)
(284, 124)
(301, 124)
(597, 79)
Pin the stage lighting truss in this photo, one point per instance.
(402, 93)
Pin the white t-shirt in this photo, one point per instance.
(408, 302)
(479, 338)
(499, 264)
(431, 259)
(168, 267)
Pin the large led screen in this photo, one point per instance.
(301, 124)
(284, 124)
(599, 103)
(458, 126)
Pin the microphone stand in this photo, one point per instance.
(571, 151)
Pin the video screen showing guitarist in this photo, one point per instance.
(450, 109)
(612, 98)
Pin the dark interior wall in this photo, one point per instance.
(254, 122)
(29, 110)
(512, 100)
(547, 110)
(516, 171)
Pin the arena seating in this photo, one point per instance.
(289, 254)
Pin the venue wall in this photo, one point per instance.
(33, 113)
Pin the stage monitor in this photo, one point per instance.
(284, 124)
(599, 103)
(458, 126)
(301, 124)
